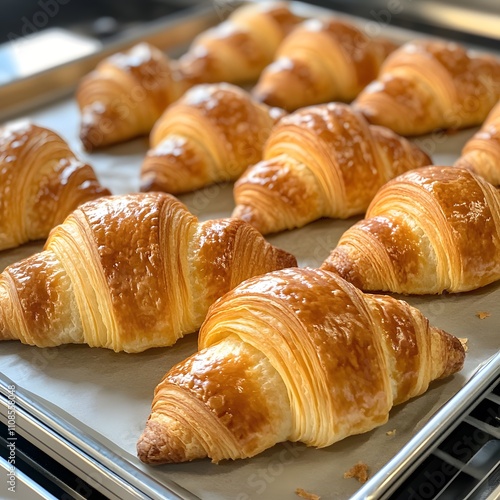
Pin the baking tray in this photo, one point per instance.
(94, 402)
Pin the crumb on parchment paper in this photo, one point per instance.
(358, 471)
(483, 314)
(391, 433)
(305, 494)
(464, 341)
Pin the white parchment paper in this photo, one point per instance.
(109, 395)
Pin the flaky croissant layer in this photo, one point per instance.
(481, 153)
(321, 161)
(321, 60)
(211, 134)
(297, 354)
(430, 230)
(41, 182)
(129, 273)
(127, 92)
(432, 84)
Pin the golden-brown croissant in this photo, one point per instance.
(238, 49)
(321, 161)
(482, 153)
(125, 95)
(427, 231)
(299, 355)
(321, 61)
(127, 92)
(41, 182)
(211, 134)
(129, 273)
(429, 85)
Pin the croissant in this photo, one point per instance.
(125, 95)
(482, 153)
(127, 92)
(321, 161)
(209, 135)
(321, 61)
(427, 231)
(238, 49)
(41, 182)
(429, 85)
(129, 273)
(299, 355)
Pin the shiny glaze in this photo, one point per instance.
(209, 135)
(340, 354)
(37, 165)
(151, 71)
(468, 211)
(336, 355)
(429, 230)
(139, 272)
(125, 95)
(227, 385)
(325, 160)
(220, 242)
(403, 344)
(40, 287)
(482, 152)
(426, 85)
(130, 234)
(238, 49)
(127, 92)
(321, 61)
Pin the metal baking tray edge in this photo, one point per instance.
(173, 31)
(76, 449)
(86, 457)
(442, 423)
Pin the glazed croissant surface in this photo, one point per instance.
(211, 134)
(238, 49)
(481, 154)
(299, 355)
(427, 231)
(427, 85)
(321, 61)
(321, 161)
(129, 273)
(127, 92)
(41, 182)
(125, 95)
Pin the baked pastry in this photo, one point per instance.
(321, 61)
(125, 95)
(129, 273)
(427, 231)
(427, 85)
(238, 49)
(299, 355)
(321, 161)
(127, 92)
(482, 153)
(41, 182)
(211, 134)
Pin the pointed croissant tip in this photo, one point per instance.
(270, 98)
(454, 350)
(90, 135)
(157, 445)
(250, 215)
(340, 263)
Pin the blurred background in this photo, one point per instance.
(478, 20)
(38, 35)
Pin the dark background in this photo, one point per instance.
(108, 19)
